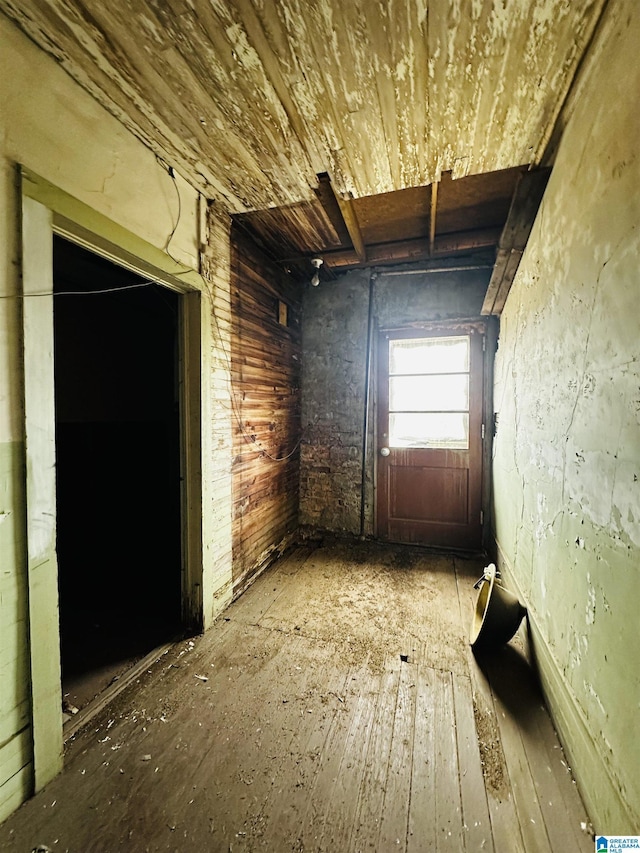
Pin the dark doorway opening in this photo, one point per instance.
(117, 468)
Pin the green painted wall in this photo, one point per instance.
(100, 176)
(567, 449)
(15, 707)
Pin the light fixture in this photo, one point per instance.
(317, 263)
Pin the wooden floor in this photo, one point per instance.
(336, 707)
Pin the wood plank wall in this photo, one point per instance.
(265, 370)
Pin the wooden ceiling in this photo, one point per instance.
(417, 223)
(334, 125)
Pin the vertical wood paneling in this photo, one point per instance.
(265, 369)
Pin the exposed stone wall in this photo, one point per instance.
(334, 372)
(333, 358)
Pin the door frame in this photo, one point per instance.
(46, 211)
(488, 328)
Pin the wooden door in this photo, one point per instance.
(430, 433)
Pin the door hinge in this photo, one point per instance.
(481, 516)
(482, 432)
(484, 343)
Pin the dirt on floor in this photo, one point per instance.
(335, 706)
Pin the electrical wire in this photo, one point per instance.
(249, 439)
(80, 292)
(171, 172)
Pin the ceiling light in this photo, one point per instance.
(317, 263)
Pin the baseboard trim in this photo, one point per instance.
(264, 562)
(90, 711)
(600, 792)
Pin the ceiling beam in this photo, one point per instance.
(418, 249)
(432, 216)
(351, 221)
(328, 199)
(526, 200)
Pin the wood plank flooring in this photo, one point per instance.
(336, 706)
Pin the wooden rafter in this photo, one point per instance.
(527, 197)
(414, 250)
(351, 221)
(432, 216)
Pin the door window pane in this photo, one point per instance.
(448, 393)
(429, 429)
(429, 392)
(429, 355)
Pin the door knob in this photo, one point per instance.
(384, 451)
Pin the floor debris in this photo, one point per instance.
(317, 739)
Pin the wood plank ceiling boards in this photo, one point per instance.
(304, 120)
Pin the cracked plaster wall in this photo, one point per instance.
(567, 450)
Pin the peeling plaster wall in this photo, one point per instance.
(55, 129)
(567, 450)
(334, 343)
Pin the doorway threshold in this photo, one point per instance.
(73, 724)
